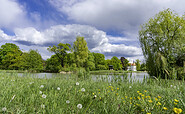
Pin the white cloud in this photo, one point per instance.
(97, 40)
(123, 15)
(12, 14)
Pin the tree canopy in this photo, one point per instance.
(162, 41)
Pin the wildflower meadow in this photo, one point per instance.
(61, 95)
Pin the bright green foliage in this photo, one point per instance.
(8, 55)
(53, 64)
(61, 51)
(138, 65)
(62, 94)
(80, 51)
(31, 61)
(99, 61)
(108, 62)
(116, 63)
(90, 62)
(162, 40)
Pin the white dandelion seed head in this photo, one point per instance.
(79, 106)
(42, 86)
(95, 96)
(4, 109)
(58, 88)
(67, 101)
(40, 92)
(31, 83)
(171, 85)
(174, 87)
(77, 83)
(83, 89)
(130, 86)
(42, 106)
(43, 96)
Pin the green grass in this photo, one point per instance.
(119, 97)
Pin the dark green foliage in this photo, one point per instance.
(53, 64)
(61, 51)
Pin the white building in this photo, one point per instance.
(132, 67)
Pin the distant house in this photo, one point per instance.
(111, 67)
(132, 67)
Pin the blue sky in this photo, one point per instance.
(109, 26)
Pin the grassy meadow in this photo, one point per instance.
(61, 95)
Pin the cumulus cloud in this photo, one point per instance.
(123, 15)
(12, 14)
(97, 40)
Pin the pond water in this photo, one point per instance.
(109, 77)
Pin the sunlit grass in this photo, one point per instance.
(73, 95)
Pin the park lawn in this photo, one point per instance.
(73, 95)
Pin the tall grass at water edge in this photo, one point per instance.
(76, 95)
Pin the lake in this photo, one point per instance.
(109, 77)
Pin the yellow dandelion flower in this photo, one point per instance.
(142, 110)
(123, 101)
(117, 88)
(175, 103)
(93, 93)
(142, 95)
(158, 103)
(149, 97)
(116, 93)
(146, 97)
(145, 91)
(138, 98)
(130, 102)
(122, 98)
(112, 89)
(138, 91)
(156, 99)
(98, 89)
(150, 101)
(130, 98)
(176, 100)
(177, 110)
(165, 108)
(159, 97)
(100, 98)
(148, 113)
(125, 96)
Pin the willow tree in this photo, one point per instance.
(80, 51)
(162, 41)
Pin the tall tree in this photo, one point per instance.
(162, 40)
(31, 60)
(80, 51)
(99, 61)
(116, 63)
(61, 51)
(8, 55)
(138, 65)
(89, 64)
(53, 64)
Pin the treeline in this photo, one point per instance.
(65, 58)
